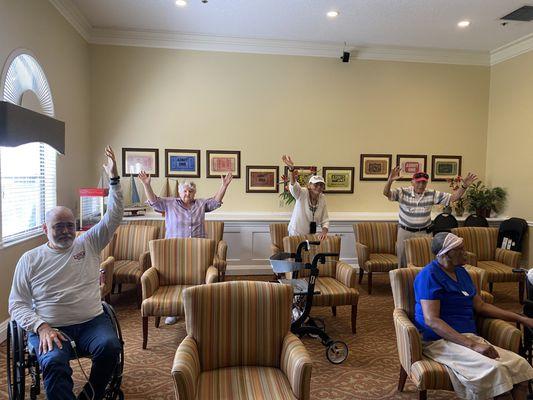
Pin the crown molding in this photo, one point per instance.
(511, 50)
(74, 16)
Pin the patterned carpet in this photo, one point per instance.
(370, 372)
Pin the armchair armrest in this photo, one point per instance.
(408, 340)
(508, 257)
(222, 250)
(211, 275)
(145, 261)
(487, 297)
(186, 369)
(362, 253)
(149, 282)
(108, 267)
(499, 333)
(346, 274)
(470, 258)
(297, 366)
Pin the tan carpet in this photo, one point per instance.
(370, 372)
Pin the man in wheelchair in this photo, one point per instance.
(55, 297)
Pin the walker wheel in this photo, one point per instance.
(320, 324)
(337, 352)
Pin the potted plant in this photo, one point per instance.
(482, 200)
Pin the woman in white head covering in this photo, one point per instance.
(310, 209)
(446, 301)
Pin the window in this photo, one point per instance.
(27, 172)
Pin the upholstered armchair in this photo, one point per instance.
(277, 233)
(497, 263)
(336, 280)
(265, 361)
(158, 223)
(131, 254)
(418, 254)
(176, 265)
(215, 230)
(427, 374)
(375, 244)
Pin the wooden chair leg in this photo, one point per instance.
(157, 321)
(139, 295)
(521, 289)
(145, 332)
(423, 395)
(354, 318)
(119, 288)
(403, 378)
(334, 310)
(369, 278)
(361, 273)
(491, 286)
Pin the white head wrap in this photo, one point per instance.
(450, 242)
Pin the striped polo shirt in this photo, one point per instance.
(415, 209)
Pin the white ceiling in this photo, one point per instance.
(404, 23)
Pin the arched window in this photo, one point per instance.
(27, 172)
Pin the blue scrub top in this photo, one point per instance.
(456, 299)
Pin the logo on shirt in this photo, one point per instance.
(79, 256)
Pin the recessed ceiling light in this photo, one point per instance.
(463, 24)
(181, 3)
(332, 14)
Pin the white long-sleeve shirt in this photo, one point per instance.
(302, 215)
(62, 288)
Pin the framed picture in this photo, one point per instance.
(304, 173)
(220, 162)
(262, 179)
(410, 164)
(182, 163)
(445, 167)
(134, 160)
(339, 179)
(375, 167)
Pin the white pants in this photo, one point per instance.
(403, 235)
(475, 376)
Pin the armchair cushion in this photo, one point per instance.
(380, 263)
(498, 272)
(334, 293)
(127, 271)
(166, 301)
(507, 257)
(296, 365)
(186, 369)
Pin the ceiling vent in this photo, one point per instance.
(521, 14)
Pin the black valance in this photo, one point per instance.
(18, 125)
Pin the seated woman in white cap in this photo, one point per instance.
(184, 215)
(310, 208)
(446, 301)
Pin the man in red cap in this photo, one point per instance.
(416, 202)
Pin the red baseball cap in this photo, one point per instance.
(420, 176)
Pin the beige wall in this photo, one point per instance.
(64, 56)
(317, 109)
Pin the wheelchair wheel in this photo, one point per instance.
(337, 352)
(16, 365)
(113, 390)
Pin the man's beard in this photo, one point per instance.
(64, 242)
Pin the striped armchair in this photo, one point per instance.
(158, 223)
(215, 230)
(265, 361)
(131, 255)
(418, 254)
(375, 243)
(427, 374)
(277, 233)
(497, 263)
(336, 279)
(176, 265)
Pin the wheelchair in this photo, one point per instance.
(304, 290)
(22, 362)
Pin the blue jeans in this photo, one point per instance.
(96, 338)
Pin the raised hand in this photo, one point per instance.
(226, 180)
(110, 166)
(287, 161)
(395, 173)
(470, 178)
(145, 178)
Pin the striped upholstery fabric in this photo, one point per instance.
(418, 251)
(239, 345)
(158, 223)
(379, 237)
(331, 245)
(127, 271)
(215, 230)
(480, 241)
(381, 262)
(427, 374)
(132, 241)
(165, 301)
(507, 257)
(498, 272)
(182, 261)
(334, 293)
(277, 233)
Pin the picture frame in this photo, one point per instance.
(304, 173)
(339, 179)
(262, 179)
(410, 164)
(135, 159)
(182, 163)
(445, 167)
(375, 167)
(221, 162)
